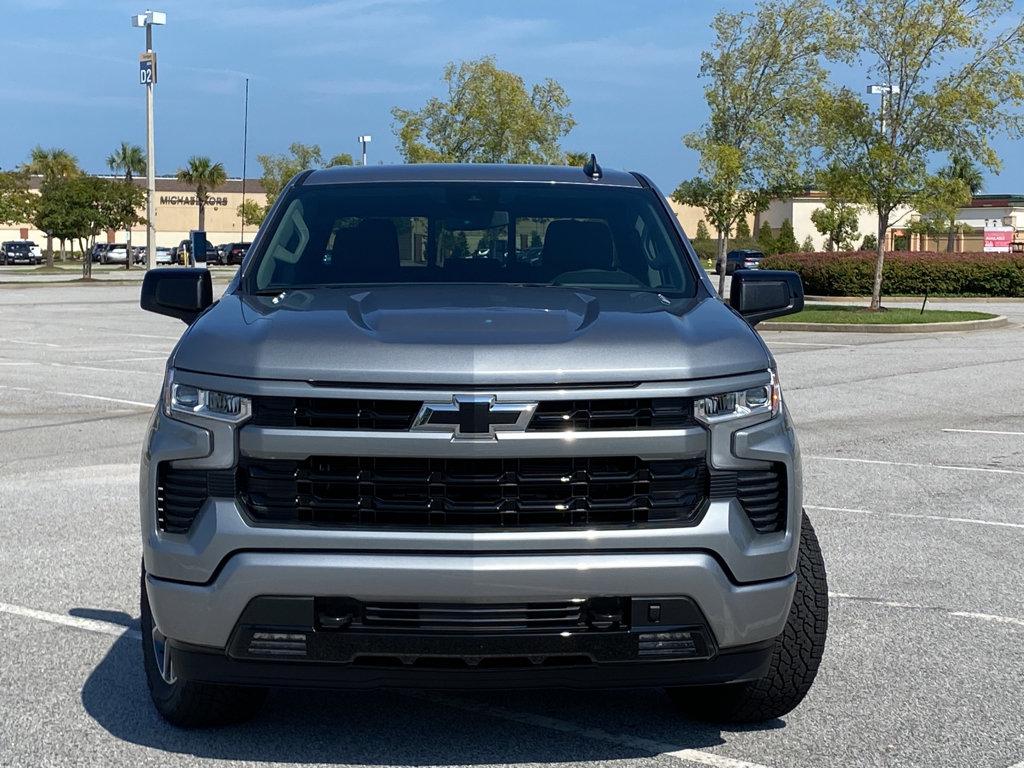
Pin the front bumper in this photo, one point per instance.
(200, 583)
(205, 615)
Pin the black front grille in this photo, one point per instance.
(334, 413)
(613, 414)
(369, 414)
(763, 496)
(495, 618)
(181, 493)
(503, 493)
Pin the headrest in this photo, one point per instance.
(571, 245)
(368, 251)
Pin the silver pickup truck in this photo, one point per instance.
(477, 427)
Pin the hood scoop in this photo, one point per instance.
(487, 316)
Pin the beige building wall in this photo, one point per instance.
(799, 209)
(176, 214)
(689, 216)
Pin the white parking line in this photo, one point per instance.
(808, 344)
(531, 719)
(152, 336)
(80, 367)
(132, 360)
(963, 468)
(981, 432)
(556, 724)
(92, 625)
(33, 344)
(860, 511)
(920, 607)
(77, 395)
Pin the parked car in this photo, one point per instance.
(164, 255)
(741, 259)
(98, 250)
(369, 470)
(20, 252)
(232, 253)
(116, 254)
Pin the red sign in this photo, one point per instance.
(998, 238)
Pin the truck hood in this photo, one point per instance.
(470, 335)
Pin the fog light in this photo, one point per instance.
(670, 643)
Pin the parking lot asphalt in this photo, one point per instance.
(913, 450)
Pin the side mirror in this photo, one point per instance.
(182, 293)
(762, 294)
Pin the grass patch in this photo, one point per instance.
(821, 313)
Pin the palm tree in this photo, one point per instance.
(55, 163)
(129, 160)
(51, 164)
(205, 175)
(961, 168)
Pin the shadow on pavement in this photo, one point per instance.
(391, 727)
(106, 615)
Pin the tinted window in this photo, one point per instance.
(568, 235)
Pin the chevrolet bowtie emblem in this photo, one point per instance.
(474, 416)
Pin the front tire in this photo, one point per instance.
(795, 658)
(189, 703)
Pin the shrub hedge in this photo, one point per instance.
(906, 273)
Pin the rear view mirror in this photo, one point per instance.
(181, 293)
(762, 294)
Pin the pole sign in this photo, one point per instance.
(147, 68)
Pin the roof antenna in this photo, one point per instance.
(592, 169)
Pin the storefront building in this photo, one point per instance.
(176, 212)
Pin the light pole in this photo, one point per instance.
(364, 140)
(887, 89)
(147, 76)
(245, 153)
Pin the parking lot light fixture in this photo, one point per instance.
(883, 90)
(148, 19)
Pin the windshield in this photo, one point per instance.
(18, 246)
(510, 233)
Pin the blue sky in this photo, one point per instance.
(324, 72)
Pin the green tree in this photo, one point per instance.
(486, 116)
(251, 213)
(128, 159)
(702, 231)
(785, 241)
(341, 159)
(839, 220)
(16, 202)
(573, 158)
(766, 239)
(762, 74)
(808, 245)
(51, 164)
(78, 208)
(955, 186)
(839, 223)
(278, 170)
(204, 175)
(742, 228)
(955, 68)
(870, 242)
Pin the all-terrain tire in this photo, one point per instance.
(795, 657)
(193, 704)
